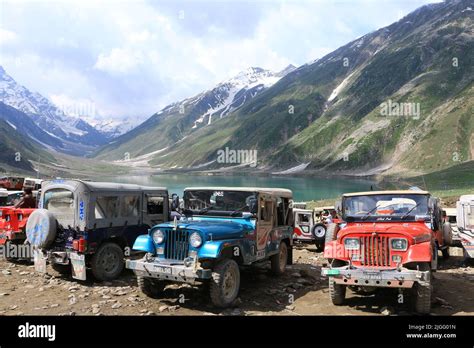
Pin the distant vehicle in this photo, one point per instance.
(13, 225)
(12, 182)
(307, 228)
(465, 224)
(9, 198)
(223, 228)
(386, 239)
(34, 184)
(92, 225)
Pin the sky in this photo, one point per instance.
(128, 59)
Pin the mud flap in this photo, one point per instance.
(78, 263)
(39, 260)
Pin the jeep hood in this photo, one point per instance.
(219, 228)
(407, 229)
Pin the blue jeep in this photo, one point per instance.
(221, 229)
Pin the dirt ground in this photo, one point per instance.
(301, 291)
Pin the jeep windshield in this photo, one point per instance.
(219, 202)
(386, 207)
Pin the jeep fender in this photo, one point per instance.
(421, 252)
(213, 249)
(144, 243)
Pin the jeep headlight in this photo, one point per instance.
(351, 243)
(399, 244)
(158, 236)
(195, 240)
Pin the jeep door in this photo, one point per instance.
(266, 206)
(155, 208)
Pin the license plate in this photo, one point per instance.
(162, 269)
(39, 261)
(78, 264)
(372, 276)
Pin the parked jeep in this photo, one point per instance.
(9, 198)
(222, 228)
(385, 239)
(307, 229)
(465, 224)
(85, 224)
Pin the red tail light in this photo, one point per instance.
(82, 245)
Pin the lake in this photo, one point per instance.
(305, 188)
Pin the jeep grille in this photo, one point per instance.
(374, 251)
(176, 244)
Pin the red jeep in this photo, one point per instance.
(13, 224)
(385, 239)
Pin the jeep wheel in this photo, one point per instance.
(107, 263)
(337, 292)
(61, 269)
(280, 260)
(225, 283)
(423, 294)
(445, 253)
(319, 232)
(331, 234)
(151, 287)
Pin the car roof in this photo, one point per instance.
(273, 191)
(466, 198)
(104, 186)
(297, 210)
(392, 192)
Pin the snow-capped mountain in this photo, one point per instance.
(178, 120)
(113, 128)
(48, 117)
(229, 95)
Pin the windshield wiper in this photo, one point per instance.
(408, 212)
(205, 210)
(366, 216)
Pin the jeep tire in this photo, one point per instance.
(151, 287)
(319, 235)
(337, 292)
(280, 260)
(423, 293)
(41, 228)
(331, 234)
(107, 262)
(225, 283)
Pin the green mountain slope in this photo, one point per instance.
(329, 115)
(17, 150)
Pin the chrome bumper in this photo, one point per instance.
(403, 278)
(177, 272)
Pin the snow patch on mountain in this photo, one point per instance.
(231, 94)
(49, 117)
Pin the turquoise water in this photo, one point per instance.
(304, 188)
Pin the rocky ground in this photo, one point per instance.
(301, 291)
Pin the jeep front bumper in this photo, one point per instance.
(164, 270)
(403, 278)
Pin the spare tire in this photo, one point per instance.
(447, 234)
(331, 232)
(41, 228)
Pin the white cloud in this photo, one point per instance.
(130, 58)
(7, 36)
(119, 60)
